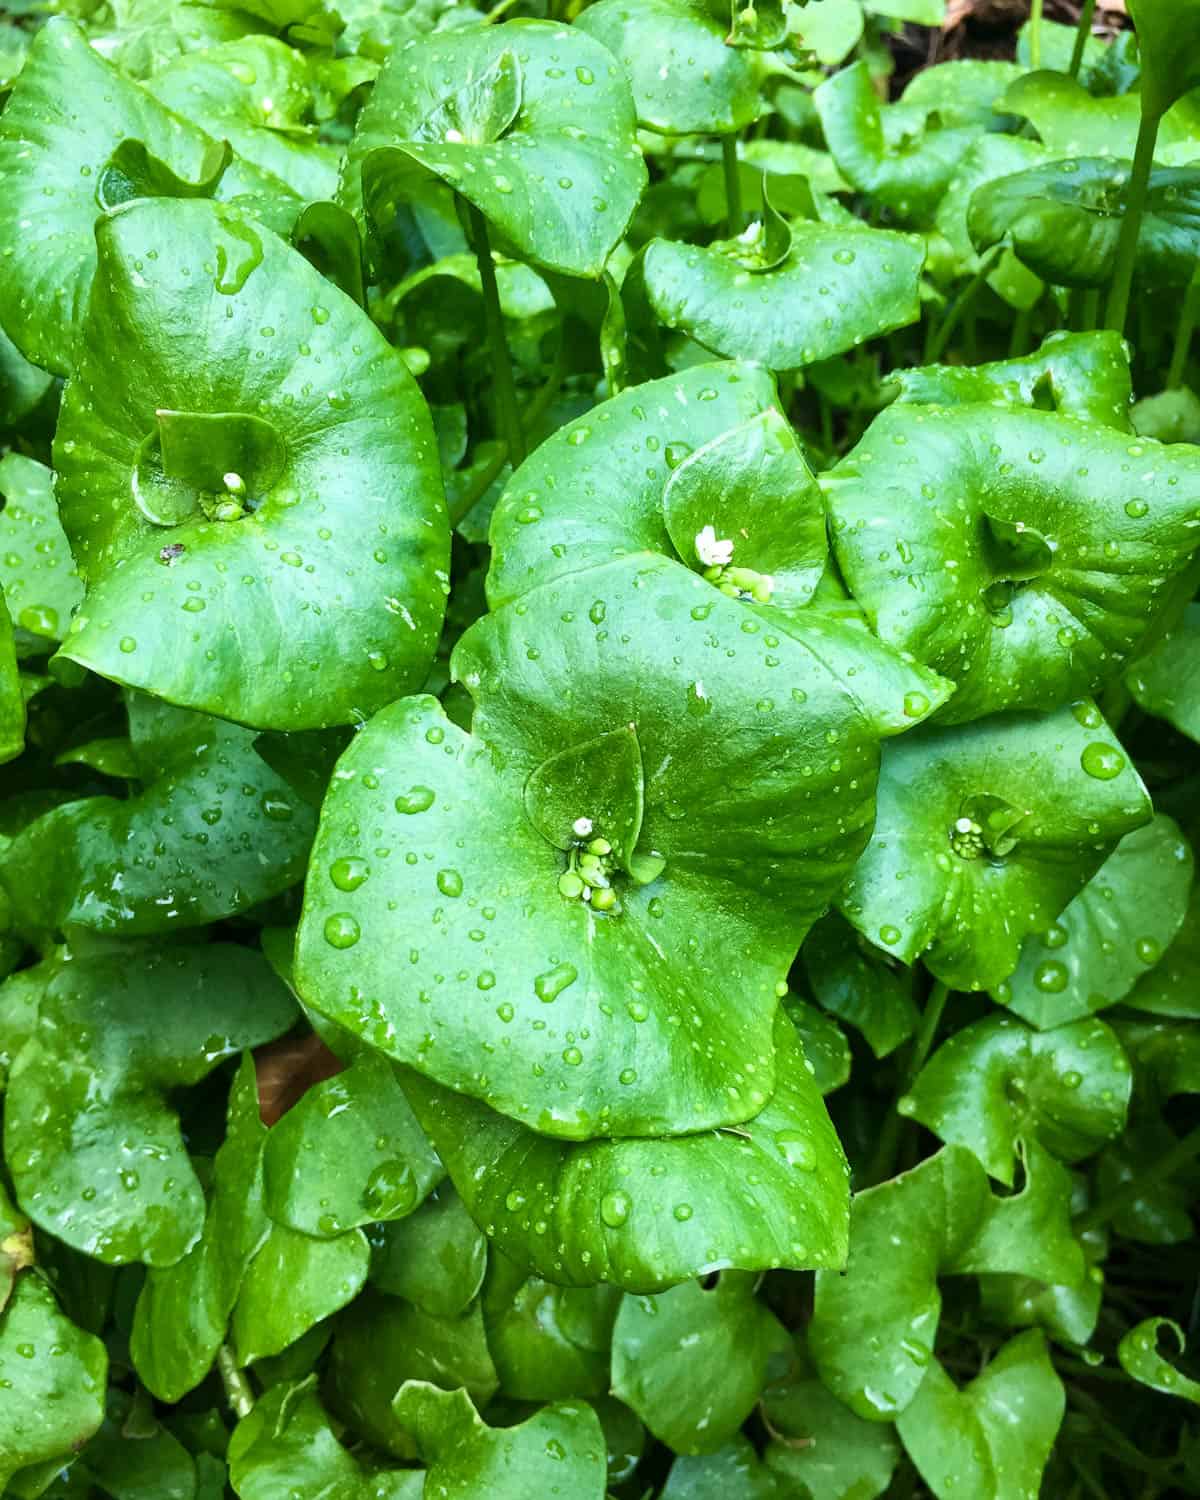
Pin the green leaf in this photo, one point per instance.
(1118, 926)
(855, 981)
(530, 122)
(984, 833)
(145, 1464)
(1139, 1357)
(382, 1342)
(1072, 122)
(821, 1449)
(761, 24)
(560, 1448)
(12, 696)
(898, 158)
(938, 1219)
(1169, 416)
(349, 1153)
(321, 1276)
(237, 602)
(16, 1245)
(1172, 987)
(23, 387)
(997, 1080)
(1166, 681)
(493, 939)
(832, 29)
(288, 1445)
(927, 511)
(549, 1342)
(866, 280)
(69, 112)
(183, 1310)
(36, 571)
(1169, 41)
(602, 776)
(1065, 220)
(54, 1402)
(328, 238)
(961, 92)
(87, 1119)
(993, 1437)
(665, 1348)
(645, 1214)
(211, 832)
(20, 995)
(826, 1050)
(1081, 375)
(685, 78)
(734, 1472)
(435, 1258)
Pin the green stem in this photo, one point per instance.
(1082, 33)
(1089, 310)
(889, 1137)
(1021, 332)
(1135, 203)
(954, 313)
(238, 1390)
(1183, 335)
(733, 185)
(1035, 34)
(506, 390)
(1179, 1154)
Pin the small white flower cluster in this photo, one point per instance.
(713, 551)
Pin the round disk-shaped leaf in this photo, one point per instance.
(647, 1214)
(261, 531)
(1020, 553)
(592, 1019)
(984, 833)
(531, 122)
(68, 115)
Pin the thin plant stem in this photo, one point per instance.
(238, 1390)
(733, 185)
(889, 1137)
(1021, 332)
(506, 390)
(1183, 335)
(498, 11)
(1082, 33)
(1179, 1154)
(1035, 34)
(1135, 202)
(1089, 309)
(940, 337)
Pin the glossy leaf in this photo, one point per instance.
(1166, 681)
(854, 980)
(69, 113)
(994, 1436)
(1139, 1357)
(20, 996)
(866, 281)
(1169, 39)
(1172, 987)
(38, 577)
(684, 77)
(734, 1472)
(984, 833)
(138, 1463)
(16, 1245)
(12, 697)
(53, 1403)
(998, 1080)
(1115, 929)
(645, 1214)
(530, 122)
(662, 1347)
(826, 1050)
(321, 1276)
(1005, 547)
(549, 1342)
(211, 832)
(435, 1258)
(93, 1144)
(821, 1448)
(358, 443)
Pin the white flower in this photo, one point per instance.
(582, 827)
(712, 551)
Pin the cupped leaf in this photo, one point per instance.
(685, 78)
(866, 282)
(560, 1448)
(1065, 220)
(1169, 41)
(998, 1080)
(1021, 553)
(992, 1438)
(984, 832)
(52, 1375)
(328, 237)
(183, 1310)
(93, 1145)
(68, 114)
(239, 601)
(857, 982)
(1139, 1357)
(645, 1214)
(36, 571)
(664, 1345)
(1116, 928)
(287, 1444)
(435, 1258)
(1166, 681)
(349, 1153)
(531, 123)
(549, 1342)
(1081, 375)
(898, 157)
(211, 832)
(873, 1328)
(759, 769)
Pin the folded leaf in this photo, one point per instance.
(238, 601)
(1139, 1357)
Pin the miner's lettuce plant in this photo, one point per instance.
(600, 699)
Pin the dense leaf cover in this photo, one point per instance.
(600, 708)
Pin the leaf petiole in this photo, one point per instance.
(506, 390)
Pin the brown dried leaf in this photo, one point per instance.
(287, 1069)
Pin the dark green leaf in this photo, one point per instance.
(549, 1342)
(36, 571)
(855, 981)
(1166, 681)
(435, 1258)
(321, 1276)
(734, 1472)
(1139, 1357)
